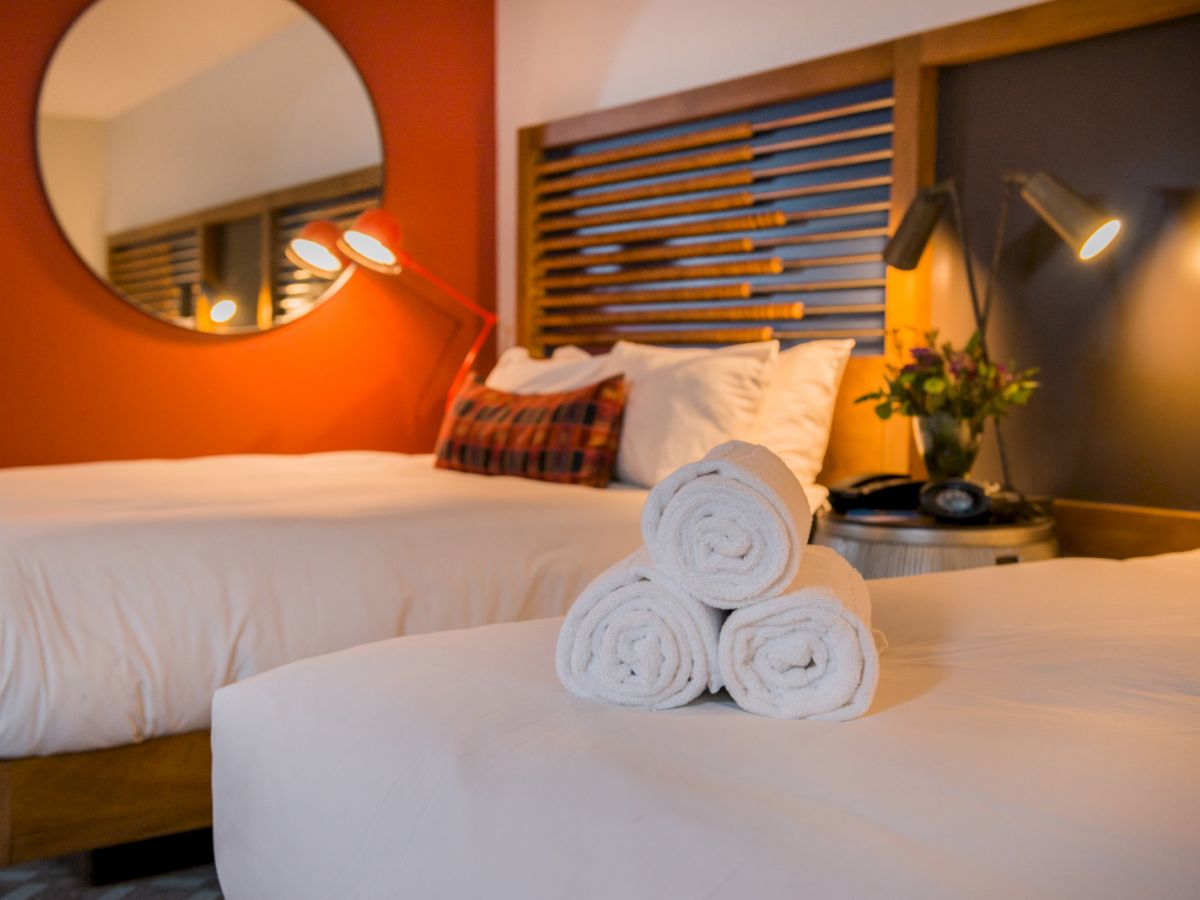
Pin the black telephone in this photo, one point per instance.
(882, 490)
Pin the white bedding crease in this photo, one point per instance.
(729, 529)
(630, 641)
(809, 653)
(131, 591)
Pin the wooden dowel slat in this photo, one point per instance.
(847, 284)
(834, 212)
(830, 334)
(820, 140)
(671, 295)
(150, 296)
(329, 212)
(708, 204)
(691, 162)
(773, 219)
(659, 211)
(723, 135)
(824, 115)
(844, 309)
(823, 237)
(814, 190)
(138, 284)
(697, 336)
(647, 254)
(191, 269)
(752, 313)
(126, 254)
(736, 178)
(826, 261)
(821, 165)
(770, 266)
(154, 262)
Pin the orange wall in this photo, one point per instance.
(84, 376)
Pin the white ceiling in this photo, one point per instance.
(121, 53)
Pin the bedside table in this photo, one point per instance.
(882, 546)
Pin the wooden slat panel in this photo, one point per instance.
(122, 254)
(821, 165)
(770, 266)
(774, 219)
(831, 334)
(725, 135)
(825, 115)
(815, 190)
(822, 262)
(708, 160)
(719, 203)
(836, 212)
(736, 178)
(710, 292)
(823, 237)
(648, 254)
(699, 336)
(750, 313)
(815, 287)
(821, 140)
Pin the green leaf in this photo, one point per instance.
(884, 410)
(935, 385)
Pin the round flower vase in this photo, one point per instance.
(947, 445)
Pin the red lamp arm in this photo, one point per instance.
(487, 316)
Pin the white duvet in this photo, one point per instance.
(130, 592)
(1036, 734)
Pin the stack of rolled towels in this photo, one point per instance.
(726, 592)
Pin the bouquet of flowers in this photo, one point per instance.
(951, 393)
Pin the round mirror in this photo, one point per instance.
(182, 143)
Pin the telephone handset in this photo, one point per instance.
(881, 490)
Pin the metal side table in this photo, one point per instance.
(883, 548)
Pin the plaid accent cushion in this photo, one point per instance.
(570, 437)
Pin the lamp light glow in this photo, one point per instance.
(223, 310)
(1100, 239)
(1086, 230)
(374, 241)
(315, 249)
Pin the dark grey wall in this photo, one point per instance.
(1117, 340)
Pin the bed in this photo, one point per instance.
(1035, 734)
(131, 591)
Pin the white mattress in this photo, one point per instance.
(1036, 734)
(130, 592)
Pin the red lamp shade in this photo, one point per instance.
(374, 241)
(315, 249)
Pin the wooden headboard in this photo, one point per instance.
(721, 197)
(753, 209)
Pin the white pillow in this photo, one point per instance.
(797, 413)
(518, 373)
(682, 403)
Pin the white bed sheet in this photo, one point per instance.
(131, 591)
(1036, 734)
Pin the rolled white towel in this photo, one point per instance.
(808, 654)
(631, 641)
(729, 530)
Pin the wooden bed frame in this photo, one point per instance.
(79, 801)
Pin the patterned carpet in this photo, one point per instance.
(56, 879)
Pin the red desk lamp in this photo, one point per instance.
(374, 242)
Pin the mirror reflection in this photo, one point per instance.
(182, 143)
